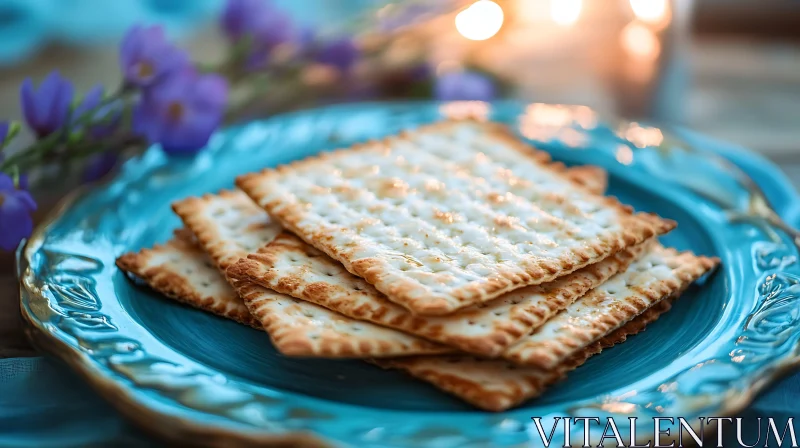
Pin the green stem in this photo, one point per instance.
(122, 140)
(15, 176)
(28, 158)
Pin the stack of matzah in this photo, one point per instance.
(454, 252)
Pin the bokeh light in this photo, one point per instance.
(641, 136)
(565, 12)
(640, 42)
(649, 10)
(482, 20)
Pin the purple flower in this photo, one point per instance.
(99, 165)
(243, 17)
(264, 25)
(16, 207)
(22, 182)
(270, 32)
(4, 128)
(341, 53)
(146, 57)
(90, 101)
(182, 112)
(464, 86)
(105, 119)
(306, 39)
(46, 109)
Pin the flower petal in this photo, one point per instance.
(99, 165)
(60, 104)
(146, 122)
(240, 17)
(214, 90)
(4, 127)
(26, 200)
(28, 103)
(15, 222)
(46, 108)
(6, 183)
(191, 136)
(341, 54)
(148, 45)
(90, 101)
(201, 99)
(22, 182)
(464, 86)
(129, 46)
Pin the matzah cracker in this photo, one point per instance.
(290, 266)
(229, 225)
(299, 328)
(497, 385)
(448, 216)
(182, 271)
(660, 273)
(594, 178)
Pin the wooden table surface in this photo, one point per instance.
(12, 338)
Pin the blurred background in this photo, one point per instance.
(727, 68)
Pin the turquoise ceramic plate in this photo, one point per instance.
(184, 373)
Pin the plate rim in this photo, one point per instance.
(126, 401)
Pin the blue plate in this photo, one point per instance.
(192, 376)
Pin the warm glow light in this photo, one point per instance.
(649, 10)
(641, 136)
(528, 11)
(460, 110)
(482, 20)
(640, 42)
(624, 155)
(565, 12)
(559, 115)
(557, 122)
